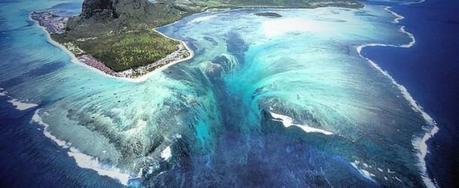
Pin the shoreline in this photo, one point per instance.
(419, 142)
(126, 75)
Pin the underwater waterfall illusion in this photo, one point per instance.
(265, 101)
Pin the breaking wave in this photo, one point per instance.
(419, 143)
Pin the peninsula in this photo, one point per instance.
(118, 36)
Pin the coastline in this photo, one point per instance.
(146, 70)
(126, 75)
(418, 142)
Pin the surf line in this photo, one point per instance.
(288, 122)
(83, 160)
(20, 105)
(419, 143)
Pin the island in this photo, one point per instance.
(118, 37)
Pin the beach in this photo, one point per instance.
(55, 24)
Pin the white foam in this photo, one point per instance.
(178, 136)
(21, 105)
(37, 119)
(418, 143)
(417, 2)
(412, 41)
(363, 172)
(390, 171)
(288, 121)
(83, 160)
(365, 165)
(166, 154)
(89, 162)
(3, 92)
(397, 18)
(18, 104)
(272, 28)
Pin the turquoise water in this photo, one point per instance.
(216, 112)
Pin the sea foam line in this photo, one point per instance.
(412, 3)
(419, 143)
(18, 104)
(82, 160)
(397, 18)
(288, 121)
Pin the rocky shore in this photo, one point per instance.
(55, 24)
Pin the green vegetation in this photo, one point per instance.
(125, 50)
(118, 32)
(99, 17)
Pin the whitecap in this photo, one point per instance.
(81, 159)
(397, 18)
(363, 172)
(20, 105)
(288, 121)
(419, 143)
(3, 92)
(166, 154)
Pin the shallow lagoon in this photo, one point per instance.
(215, 112)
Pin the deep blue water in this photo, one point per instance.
(28, 159)
(228, 134)
(430, 71)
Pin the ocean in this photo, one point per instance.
(291, 101)
(430, 70)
